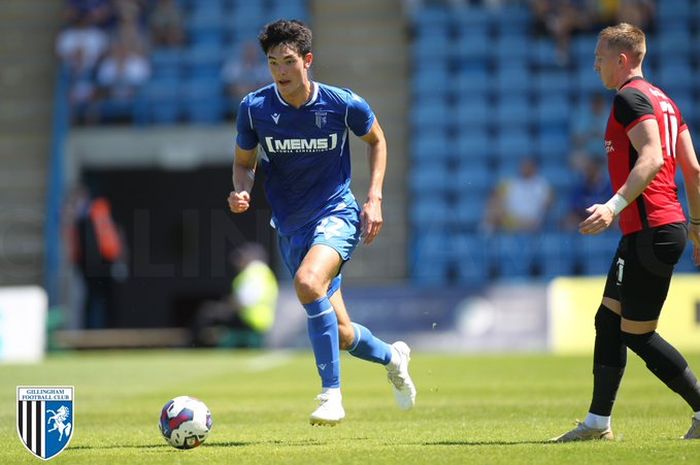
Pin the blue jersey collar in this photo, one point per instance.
(311, 101)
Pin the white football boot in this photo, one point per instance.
(330, 411)
(397, 373)
(582, 432)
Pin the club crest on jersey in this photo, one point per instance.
(321, 117)
(321, 144)
(45, 419)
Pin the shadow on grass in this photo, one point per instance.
(278, 442)
(484, 443)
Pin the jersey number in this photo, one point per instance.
(671, 123)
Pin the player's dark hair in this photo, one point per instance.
(292, 33)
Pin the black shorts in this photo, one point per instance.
(640, 273)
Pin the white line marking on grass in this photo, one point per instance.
(268, 361)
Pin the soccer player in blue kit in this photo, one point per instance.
(302, 128)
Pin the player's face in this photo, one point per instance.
(288, 68)
(606, 64)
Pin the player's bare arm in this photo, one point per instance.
(243, 178)
(647, 142)
(688, 160)
(372, 220)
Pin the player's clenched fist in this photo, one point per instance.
(238, 202)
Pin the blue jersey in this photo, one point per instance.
(305, 151)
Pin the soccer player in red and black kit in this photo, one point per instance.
(645, 137)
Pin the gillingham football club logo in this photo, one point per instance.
(321, 118)
(45, 419)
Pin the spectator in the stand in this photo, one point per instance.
(561, 19)
(94, 12)
(589, 126)
(120, 75)
(593, 186)
(637, 12)
(80, 46)
(245, 73)
(167, 24)
(520, 203)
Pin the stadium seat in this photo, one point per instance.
(595, 253)
(556, 253)
(514, 254)
(473, 112)
(430, 145)
(511, 47)
(513, 110)
(471, 259)
(468, 213)
(474, 177)
(473, 144)
(552, 144)
(547, 82)
(513, 79)
(514, 144)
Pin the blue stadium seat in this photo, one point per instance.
(554, 110)
(473, 144)
(674, 43)
(676, 77)
(513, 20)
(514, 254)
(474, 177)
(473, 112)
(430, 115)
(514, 144)
(471, 46)
(472, 18)
(674, 13)
(431, 80)
(469, 211)
(513, 110)
(544, 53)
(552, 144)
(430, 258)
(586, 80)
(559, 175)
(431, 177)
(548, 82)
(471, 259)
(512, 47)
(430, 145)
(595, 253)
(430, 17)
(430, 209)
(513, 79)
(556, 253)
(472, 81)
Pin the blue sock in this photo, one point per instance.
(323, 333)
(368, 347)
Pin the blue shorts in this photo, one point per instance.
(340, 230)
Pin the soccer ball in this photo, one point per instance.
(185, 422)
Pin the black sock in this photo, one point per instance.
(667, 364)
(609, 360)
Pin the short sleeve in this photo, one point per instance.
(360, 116)
(630, 106)
(247, 138)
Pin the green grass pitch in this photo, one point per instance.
(470, 410)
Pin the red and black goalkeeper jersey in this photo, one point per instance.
(636, 101)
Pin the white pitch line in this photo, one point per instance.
(268, 361)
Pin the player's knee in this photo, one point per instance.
(636, 342)
(308, 285)
(606, 320)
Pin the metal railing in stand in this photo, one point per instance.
(55, 187)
